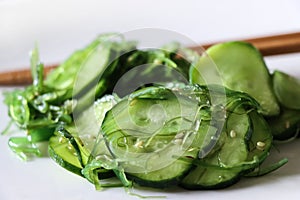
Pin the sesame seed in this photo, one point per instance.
(178, 141)
(287, 124)
(139, 144)
(260, 145)
(61, 140)
(232, 134)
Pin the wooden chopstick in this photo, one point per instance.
(21, 77)
(268, 45)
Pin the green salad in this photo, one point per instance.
(118, 115)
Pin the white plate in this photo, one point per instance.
(75, 24)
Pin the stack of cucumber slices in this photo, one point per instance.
(205, 132)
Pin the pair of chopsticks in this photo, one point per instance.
(269, 45)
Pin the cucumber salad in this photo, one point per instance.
(118, 115)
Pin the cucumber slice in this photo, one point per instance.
(165, 177)
(286, 125)
(66, 155)
(261, 138)
(63, 153)
(147, 132)
(287, 89)
(242, 68)
(173, 173)
(219, 169)
(72, 146)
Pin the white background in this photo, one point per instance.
(60, 27)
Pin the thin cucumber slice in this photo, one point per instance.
(72, 149)
(242, 68)
(148, 131)
(165, 177)
(261, 139)
(63, 153)
(286, 125)
(219, 169)
(173, 173)
(88, 123)
(210, 177)
(287, 89)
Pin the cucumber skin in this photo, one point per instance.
(160, 184)
(221, 185)
(66, 165)
(71, 166)
(76, 170)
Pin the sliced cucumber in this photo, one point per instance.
(240, 151)
(286, 125)
(147, 132)
(175, 171)
(287, 89)
(72, 157)
(72, 146)
(261, 139)
(223, 167)
(165, 177)
(63, 153)
(156, 134)
(241, 67)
